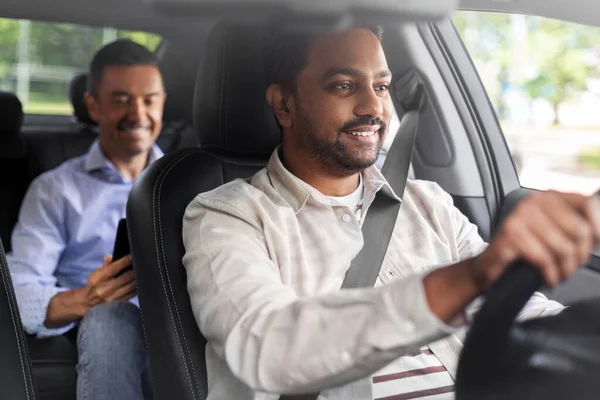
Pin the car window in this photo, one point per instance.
(37, 59)
(543, 79)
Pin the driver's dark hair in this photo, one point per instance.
(287, 52)
(121, 52)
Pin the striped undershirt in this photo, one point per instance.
(416, 376)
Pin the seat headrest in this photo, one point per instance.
(11, 114)
(77, 89)
(12, 144)
(231, 114)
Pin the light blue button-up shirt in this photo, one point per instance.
(67, 223)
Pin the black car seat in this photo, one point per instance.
(237, 133)
(77, 89)
(16, 382)
(53, 360)
(14, 169)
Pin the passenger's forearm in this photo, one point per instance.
(450, 289)
(64, 308)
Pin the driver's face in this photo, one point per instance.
(342, 107)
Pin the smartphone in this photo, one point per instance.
(121, 248)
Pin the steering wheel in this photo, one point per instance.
(548, 358)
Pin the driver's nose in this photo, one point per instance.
(369, 104)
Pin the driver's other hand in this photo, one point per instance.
(554, 231)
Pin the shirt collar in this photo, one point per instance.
(96, 160)
(297, 192)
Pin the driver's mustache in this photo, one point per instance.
(362, 121)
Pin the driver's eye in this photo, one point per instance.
(343, 87)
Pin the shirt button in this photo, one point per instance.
(346, 218)
(345, 357)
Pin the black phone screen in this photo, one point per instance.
(121, 248)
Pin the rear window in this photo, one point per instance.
(37, 59)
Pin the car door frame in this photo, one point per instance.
(502, 188)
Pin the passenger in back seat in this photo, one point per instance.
(266, 257)
(63, 274)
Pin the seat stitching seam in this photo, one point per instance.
(18, 330)
(170, 288)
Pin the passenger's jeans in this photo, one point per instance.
(112, 357)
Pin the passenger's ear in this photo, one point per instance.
(92, 107)
(278, 100)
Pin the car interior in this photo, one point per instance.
(217, 127)
(32, 151)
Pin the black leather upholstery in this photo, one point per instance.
(13, 164)
(54, 361)
(155, 213)
(48, 149)
(77, 89)
(230, 110)
(237, 135)
(11, 115)
(16, 382)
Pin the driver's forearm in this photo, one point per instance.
(64, 308)
(450, 289)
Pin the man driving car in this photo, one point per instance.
(265, 258)
(65, 282)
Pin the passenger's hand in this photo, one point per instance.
(554, 231)
(103, 285)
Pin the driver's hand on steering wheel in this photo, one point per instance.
(554, 231)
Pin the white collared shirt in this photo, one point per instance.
(265, 261)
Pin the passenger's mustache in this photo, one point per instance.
(126, 125)
(363, 121)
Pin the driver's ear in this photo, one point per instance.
(280, 103)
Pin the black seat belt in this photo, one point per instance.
(380, 220)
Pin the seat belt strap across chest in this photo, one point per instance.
(380, 220)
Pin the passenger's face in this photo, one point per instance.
(128, 108)
(342, 107)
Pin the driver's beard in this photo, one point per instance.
(333, 156)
